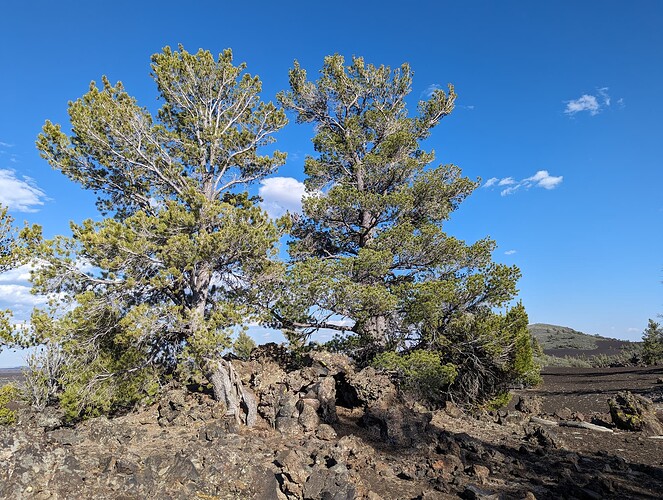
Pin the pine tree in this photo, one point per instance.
(652, 343)
(369, 255)
(163, 278)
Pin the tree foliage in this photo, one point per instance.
(7, 260)
(243, 345)
(8, 394)
(370, 248)
(164, 277)
(13, 253)
(652, 344)
(182, 254)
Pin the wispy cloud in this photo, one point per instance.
(19, 274)
(540, 179)
(5, 145)
(430, 90)
(21, 195)
(20, 296)
(584, 103)
(591, 103)
(509, 252)
(16, 292)
(280, 195)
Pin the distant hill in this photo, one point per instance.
(562, 341)
(8, 375)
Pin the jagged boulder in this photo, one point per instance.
(373, 388)
(297, 401)
(632, 412)
(397, 425)
(529, 404)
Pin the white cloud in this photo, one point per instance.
(540, 179)
(430, 90)
(509, 252)
(591, 103)
(280, 195)
(6, 145)
(15, 292)
(21, 195)
(583, 103)
(19, 296)
(543, 179)
(603, 93)
(510, 190)
(507, 181)
(21, 273)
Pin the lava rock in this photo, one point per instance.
(632, 412)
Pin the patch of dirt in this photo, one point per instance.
(585, 392)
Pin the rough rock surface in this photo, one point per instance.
(326, 431)
(632, 412)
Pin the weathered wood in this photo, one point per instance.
(543, 421)
(227, 386)
(584, 425)
(570, 423)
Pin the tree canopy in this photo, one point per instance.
(652, 343)
(369, 254)
(7, 261)
(182, 256)
(161, 280)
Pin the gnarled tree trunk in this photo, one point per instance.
(240, 401)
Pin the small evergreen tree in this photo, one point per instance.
(652, 343)
(243, 345)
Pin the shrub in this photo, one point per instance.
(421, 372)
(42, 376)
(499, 401)
(491, 352)
(8, 393)
(243, 346)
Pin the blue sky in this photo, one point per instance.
(558, 112)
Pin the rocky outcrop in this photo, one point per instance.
(325, 430)
(635, 413)
(529, 404)
(297, 401)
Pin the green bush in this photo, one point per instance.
(8, 393)
(499, 401)
(243, 346)
(421, 372)
(491, 353)
(652, 344)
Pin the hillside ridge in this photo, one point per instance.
(556, 340)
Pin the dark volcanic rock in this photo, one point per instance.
(634, 413)
(529, 404)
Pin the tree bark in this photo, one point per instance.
(376, 330)
(240, 401)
